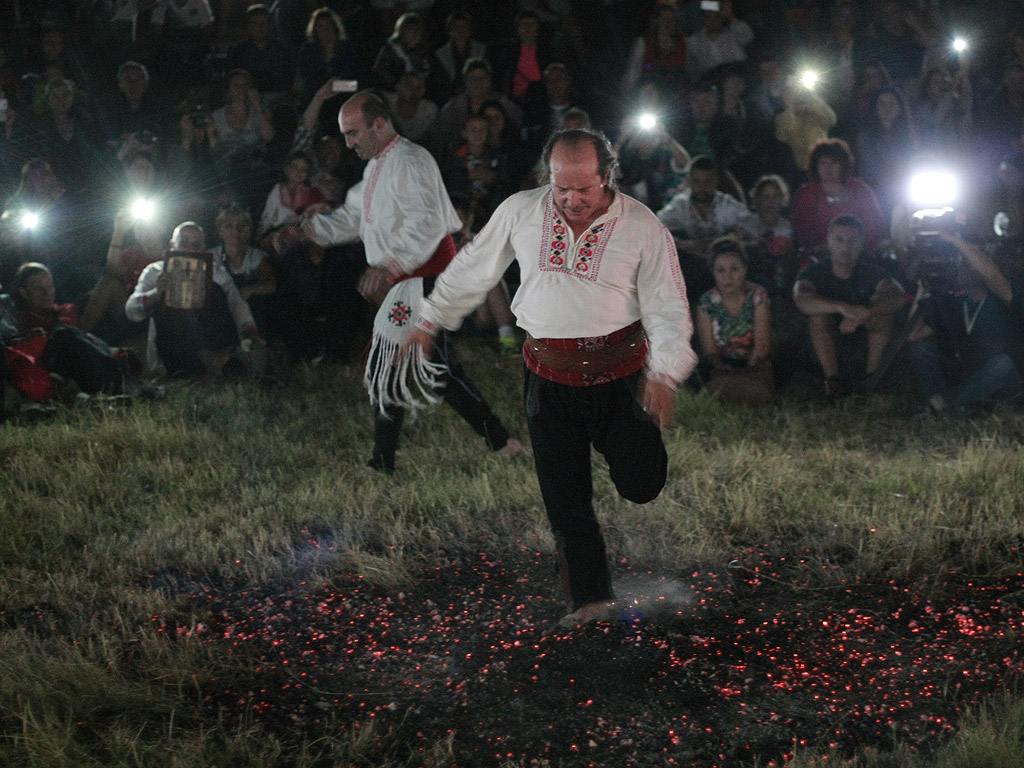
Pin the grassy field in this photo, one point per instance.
(124, 531)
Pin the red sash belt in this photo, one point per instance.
(585, 361)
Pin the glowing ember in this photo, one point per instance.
(748, 665)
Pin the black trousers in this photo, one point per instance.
(458, 391)
(564, 422)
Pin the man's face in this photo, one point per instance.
(556, 84)
(133, 84)
(844, 246)
(363, 139)
(703, 185)
(189, 240)
(478, 84)
(476, 133)
(38, 292)
(259, 29)
(578, 188)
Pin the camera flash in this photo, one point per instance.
(647, 121)
(959, 45)
(809, 79)
(30, 220)
(143, 209)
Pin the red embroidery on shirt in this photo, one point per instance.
(371, 183)
(554, 251)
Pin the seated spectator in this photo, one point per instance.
(184, 31)
(660, 53)
(965, 350)
(291, 196)
(195, 163)
(134, 112)
(412, 114)
(804, 123)
(261, 54)
(243, 130)
(652, 165)
(722, 39)
(698, 215)
(35, 301)
(326, 54)
(850, 305)
(704, 130)
(886, 145)
(450, 58)
(734, 329)
(52, 356)
(35, 220)
(68, 138)
(834, 190)
(405, 51)
(476, 76)
(545, 105)
(476, 172)
(769, 235)
(192, 343)
(248, 266)
(519, 62)
(943, 111)
(135, 243)
(320, 312)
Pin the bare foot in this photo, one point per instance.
(600, 611)
(510, 449)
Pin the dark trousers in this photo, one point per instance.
(458, 391)
(181, 334)
(564, 421)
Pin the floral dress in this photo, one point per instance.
(734, 336)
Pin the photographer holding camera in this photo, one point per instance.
(965, 349)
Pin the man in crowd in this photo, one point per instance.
(401, 212)
(850, 305)
(608, 341)
(194, 342)
(966, 351)
(697, 216)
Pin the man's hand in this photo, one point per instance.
(374, 284)
(659, 402)
(854, 316)
(419, 337)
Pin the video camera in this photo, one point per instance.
(933, 194)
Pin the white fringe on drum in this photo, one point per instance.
(396, 377)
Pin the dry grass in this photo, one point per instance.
(229, 484)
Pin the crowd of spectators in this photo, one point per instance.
(223, 114)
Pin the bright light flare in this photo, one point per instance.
(959, 45)
(809, 79)
(933, 189)
(647, 121)
(143, 209)
(29, 220)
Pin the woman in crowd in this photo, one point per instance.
(885, 144)
(248, 266)
(834, 190)
(734, 328)
(769, 235)
(942, 111)
(327, 54)
(243, 127)
(405, 51)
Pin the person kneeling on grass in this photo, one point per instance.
(194, 342)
